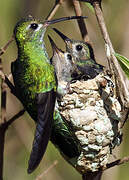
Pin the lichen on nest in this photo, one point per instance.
(93, 113)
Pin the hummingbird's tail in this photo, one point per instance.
(45, 108)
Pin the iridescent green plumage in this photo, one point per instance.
(35, 83)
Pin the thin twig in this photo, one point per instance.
(81, 22)
(2, 130)
(3, 103)
(11, 86)
(123, 91)
(97, 175)
(16, 116)
(2, 143)
(54, 9)
(117, 163)
(124, 119)
(5, 124)
(3, 49)
(1, 90)
(47, 170)
(3, 119)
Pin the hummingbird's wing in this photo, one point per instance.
(45, 109)
(60, 133)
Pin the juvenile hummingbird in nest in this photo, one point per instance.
(64, 68)
(83, 57)
(61, 136)
(35, 81)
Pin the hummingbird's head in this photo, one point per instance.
(62, 61)
(29, 29)
(79, 49)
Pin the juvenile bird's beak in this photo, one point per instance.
(65, 38)
(54, 47)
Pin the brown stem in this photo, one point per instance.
(3, 119)
(47, 170)
(97, 175)
(11, 86)
(3, 104)
(81, 22)
(2, 140)
(3, 129)
(123, 91)
(117, 162)
(4, 124)
(16, 116)
(54, 9)
(3, 49)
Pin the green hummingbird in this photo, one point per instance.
(35, 81)
(83, 55)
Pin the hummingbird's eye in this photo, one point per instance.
(34, 26)
(69, 56)
(79, 47)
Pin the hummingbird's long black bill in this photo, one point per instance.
(65, 38)
(49, 22)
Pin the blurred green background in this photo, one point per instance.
(20, 135)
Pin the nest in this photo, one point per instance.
(92, 113)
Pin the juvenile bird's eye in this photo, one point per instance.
(69, 56)
(34, 26)
(79, 47)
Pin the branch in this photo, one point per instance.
(81, 22)
(3, 129)
(123, 91)
(2, 140)
(117, 163)
(97, 175)
(2, 120)
(3, 49)
(16, 116)
(3, 104)
(5, 124)
(54, 9)
(45, 172)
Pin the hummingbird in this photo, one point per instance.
(61, 136)
(83, 57)
(35, 82)
(64, 67)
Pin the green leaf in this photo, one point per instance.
(124, 63)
